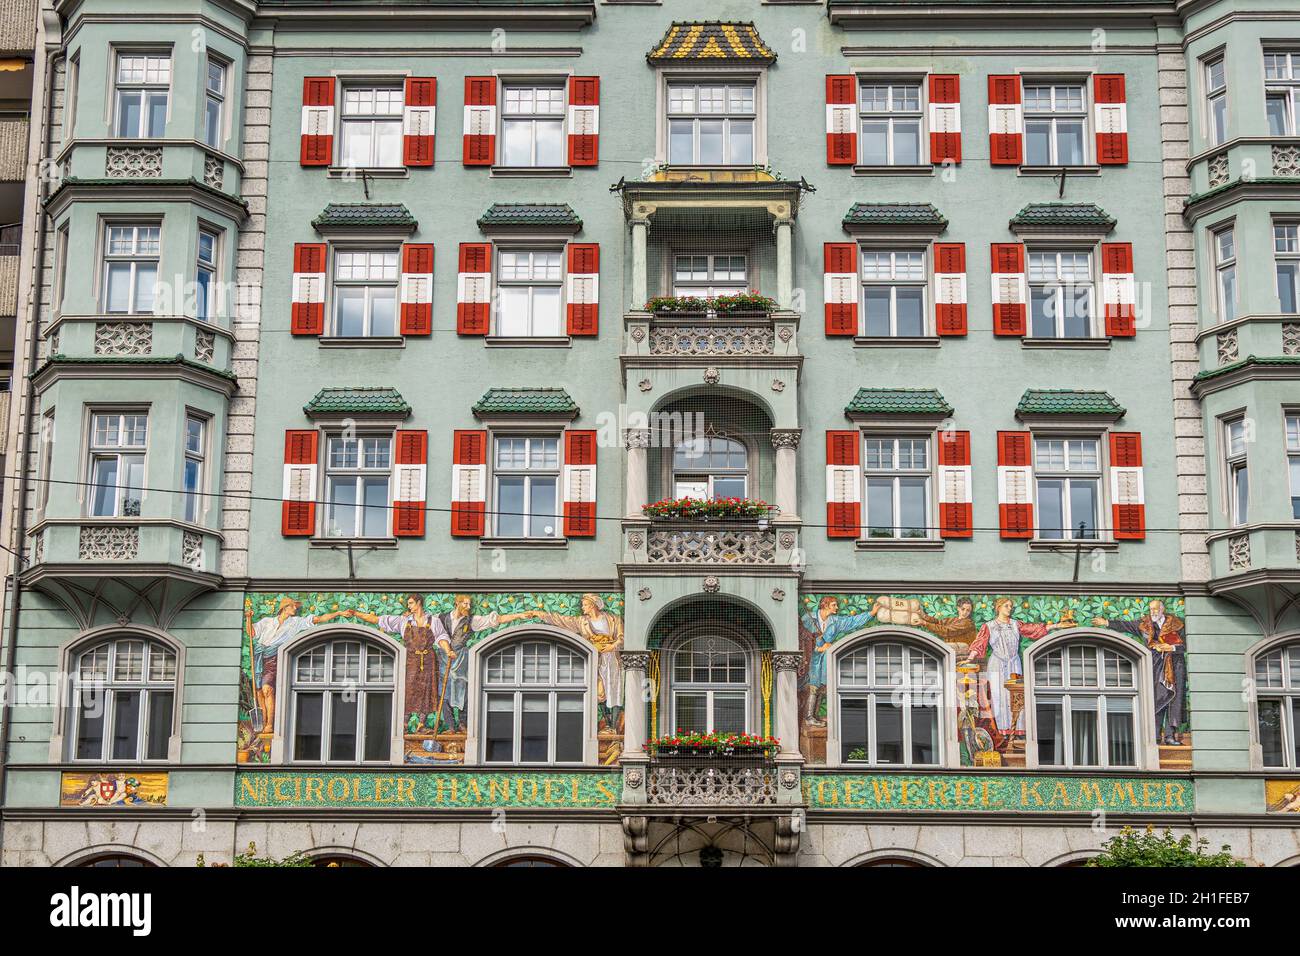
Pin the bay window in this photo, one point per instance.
(1086, 707)
(712, 123)
(525, 478)
(358, 470)
(534, 704)
(897, 476)
(890, 701)
(1067, 475)
(343, 697)
(124, 701)
(143, 84)
(131, 268)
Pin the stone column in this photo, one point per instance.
(637, 440)
(640, 232)
(786, 443)
(784, 229)
(634, 726)
(786, 665)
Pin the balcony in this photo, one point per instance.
(709, 544)
(707, 338)
(691, 780)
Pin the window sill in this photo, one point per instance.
(528, 342)
(362, 342)
(1091, 170)
(1049, 545)
(384, 543)
(374, 172)
(896, 341)
(900, 544)
(918, 170)
(1028, 342)
(532, 172)
(546, 543)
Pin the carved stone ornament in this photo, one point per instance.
(712, 585)
(785, 661)
(192, 550)
(778, 385)
(637, 333)
(637, 438)
(635, 540)
(644, 594)
(786, 333)
(1226, 343)
(1218, 170)
(789, 778)
(133, 162)
(645, 385)
(1239, 552)
(1291, 338)
(634, 778)
(205, 345)
(787, 540)
(214, 171)
(108, 543)
(711, 340)
(1286, 160)
(123, 338)
(778, 594)
(711, 376)
(785, 437)
(635, 660)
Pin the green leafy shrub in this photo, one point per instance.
(1149, 848)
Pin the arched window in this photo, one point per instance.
(1086, 707)
(114, 860)
(125, 700)
(890, 698)
(534, 702)
(343, 694)
(1277, 705)
(710, 467)
(710, 685)
(530, 861)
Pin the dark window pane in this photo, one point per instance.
(343, 726)
(307, 726)
(925, 734)
(1119, 732)
(568, 728)
(379, 720)
(533, 729)
(500, 728)
(853, 728)
(889, 731)
(90, 725)
(126, 724)
(1051, 733)
(159, 727)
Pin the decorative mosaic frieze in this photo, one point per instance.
(134, 162)
(1239, 552)
(1291, 338)
(192, 550)
(724, 546)
(123, 338)
(1227, 345)
(205, 345)
(108, 543)
(712, 340)
(1218, 170)
(214, 171)
(1286, 160)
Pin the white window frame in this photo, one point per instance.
(517, 687)
(134, 260)
(1055, 117)
(1277, 678)
(1291, 422)
(1286, 262)
(1225, 271)
(550, 279)
(710, 689)
(726, 80)
(145, 88)
(119, 451)
(158, 672)
(195, 453)
(710, 285)
(1068, 473)
(533, 118)
(215, 98)
(707, 472)
(358, 474)
(1282, 83)
(892, 116)
(373, 119)
(896, 474)
(1067, 691)
(902, 694)
(1236, 462)
(917, 281)
(389, 266)
(207, 293)
(362, 686)
(1216, 97)
(528, 473)
(1063, 290)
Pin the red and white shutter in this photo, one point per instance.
(841, 120)
(1015, 485)
(955, 519)
(480, 143)
(584, 120)
(843, 484)
(841, 288)
(1118, 289)
(410, 478)
(583, 293)
(579, 483)
(418, 114)
(1110, 116)
(945, 118)
(474, 288)
(950, 288)
(317, 147)
(1006, 121)
(298, 497)
(1127, 495)
(1009, 288)
(417, 288)
(468, 483)
(308, 312)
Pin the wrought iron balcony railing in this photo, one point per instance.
(686, 780)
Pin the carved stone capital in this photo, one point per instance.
(781, 660)
(786, 437)
(635, 660)
(636, 437)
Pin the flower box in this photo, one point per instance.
(711, 509)
(741, 304)
(691, 744)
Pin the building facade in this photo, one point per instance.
(375, 347)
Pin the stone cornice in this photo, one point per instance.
(1249, 369)
(1203, 204)
(135, 191)
(58, 368)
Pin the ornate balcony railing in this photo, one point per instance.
(711, 543)
(711, 780)
(715, 340)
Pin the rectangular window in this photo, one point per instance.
(1067, 475)
(117, 448)
(1281, 91)
(897, 474)
(357, 473)
(131, 268)
(70, 97)
(1225, 273)
(1060, 295)
(893, 293)
(143, 85)
(529, 292)
(365, 293)
(372, 127)
(526, 479)
(704, 276)
(214, 104)
(711, 123)
(205, 276)
(1055, 123)
(1286, 253)
(890, 123)
(532, 126)
(1235, 458)
(1293, 461)
(1216, 101)
(196, 450)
